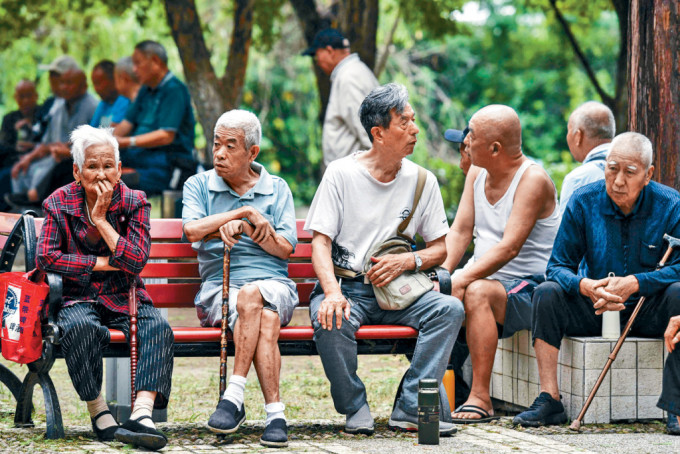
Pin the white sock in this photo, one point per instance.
(274, 411)
(235, 390)
(94, 407)
(143, 407)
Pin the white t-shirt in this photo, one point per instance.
(357, 211)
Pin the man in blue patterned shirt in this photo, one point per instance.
(616, 226)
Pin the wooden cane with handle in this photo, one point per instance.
(225, 319)
(576, 424)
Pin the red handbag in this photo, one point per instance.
(23, 297)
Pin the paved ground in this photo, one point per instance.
(327, 437)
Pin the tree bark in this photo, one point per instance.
(185, 25)
(312, 22)
(654, 89)
(211, 95)
(622, 8)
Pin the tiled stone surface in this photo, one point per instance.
(628, 392)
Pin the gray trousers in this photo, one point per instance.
(37, 177)
(437, 317)
(85, 331)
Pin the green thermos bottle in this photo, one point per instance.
(428, 412)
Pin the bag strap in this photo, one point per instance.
(420, 184)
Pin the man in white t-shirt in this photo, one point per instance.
(360, 202)
(511, 203)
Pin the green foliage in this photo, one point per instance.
(431, 16)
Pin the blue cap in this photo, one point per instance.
(327, 37)
(456, 135)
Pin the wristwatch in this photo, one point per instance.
(419, 261)
(133, 141)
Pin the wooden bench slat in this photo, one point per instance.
(288, 333)
(190, 270)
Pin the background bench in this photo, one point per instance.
(172, 279)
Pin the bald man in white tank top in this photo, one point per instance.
(512, 203)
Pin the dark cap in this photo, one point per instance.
(327, 37)
(456, 135)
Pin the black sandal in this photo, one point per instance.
(104, 434)
(137, 434)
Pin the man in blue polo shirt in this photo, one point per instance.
(158, 129)
(254, 214)
(111, 109)
(616, 227)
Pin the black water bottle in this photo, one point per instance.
(428, 412)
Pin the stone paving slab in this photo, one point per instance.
(326, 437)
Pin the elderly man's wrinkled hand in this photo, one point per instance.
(595, 290)
(672, 334)
(386, 268)
(262, 227)
(602, 305)
(333, 304)
(622, 287)
(231, 232)
(60, 151)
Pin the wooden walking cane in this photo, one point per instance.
(132, 306)
(576, 424)
(225, 319)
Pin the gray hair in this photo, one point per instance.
(634, 143)
(244, 120)
(85, 136)
(149, 48)
(125, 65)
(595, 119)
(376, 109)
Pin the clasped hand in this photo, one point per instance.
(388, 267)
(672, 335)
(610, 293)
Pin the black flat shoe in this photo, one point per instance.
(137, 434)
(104, 434)
(275, 434)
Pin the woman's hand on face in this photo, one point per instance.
(104, 193)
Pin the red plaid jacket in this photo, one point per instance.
(69, 246)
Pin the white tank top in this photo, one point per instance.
(490, 221)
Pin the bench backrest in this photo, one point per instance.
(171, 275)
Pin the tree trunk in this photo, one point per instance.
(622, 8)
(359, 22)
(312, 22)
(654, 90)
(211, 96)
(203, 84)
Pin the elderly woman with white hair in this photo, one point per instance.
(96, 235)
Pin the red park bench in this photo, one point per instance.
(179, 267)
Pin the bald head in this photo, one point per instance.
(499, 124)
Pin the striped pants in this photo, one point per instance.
(85, 332)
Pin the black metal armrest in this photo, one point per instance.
(50, 330)
(441, 275)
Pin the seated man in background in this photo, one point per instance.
(158, 129)
(254, 214)
(126, 80)
(511, 203)
(362, 200)
(112, 107)
(32, 175)
(590, 130)
(16, 134)
(616, 227)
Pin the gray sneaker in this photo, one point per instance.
(400, 420)
(360, 422)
